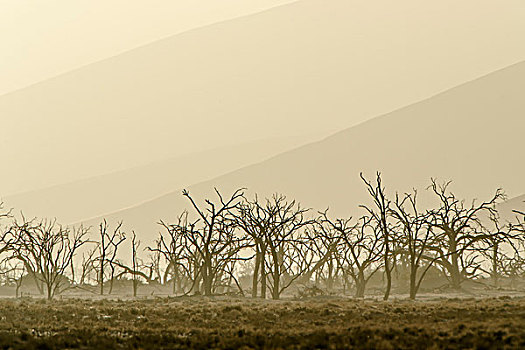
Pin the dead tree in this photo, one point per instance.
(497, 248)
(257, 219)
(47, 250)
(283, 241)
(108, 247)
(135, 269)
(380, 213)
(515, 265)
(361, 251)
(415, 237)
(152, 267)
(8, 268)
(325, 242)
(280, 255)
(134, 262)
(88, 267)
(5, 236)
(215, 238)
(175, 248)
(12, 272)
(458, 228)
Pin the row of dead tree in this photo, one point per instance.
(275, 244)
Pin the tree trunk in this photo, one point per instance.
(345, 282)
(330, 277)
(388, 272)
(276, 282)
(360, 284)
(495, 276)
(197, 277)
(255, 281)
(264, 281)
(455, 275)
(413, 284)
(176, 278)
(276, 275)
(207, 278)
(101, 281)
(49, 292)
(207, 287)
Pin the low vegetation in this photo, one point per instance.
(219, 323)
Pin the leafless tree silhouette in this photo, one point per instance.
(134, 262)
(496, 247)
(174, 247)
(88, 267)
(47, 250)
(284, 258)
(415, 238)
(324, 243)
(256, 220)
(282, 241)
(380, 214)
(458, 228)
(108, 248)
(12, 271)
(216, 241)
(362, 249)
(5, 215)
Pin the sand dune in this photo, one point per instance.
(112, 192)
(507, 208)
(56, 36)
(472, 134)
(309, 66)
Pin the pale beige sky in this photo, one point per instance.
(41, 39)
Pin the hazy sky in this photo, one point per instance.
(41, 39)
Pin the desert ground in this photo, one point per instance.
(434, 322)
